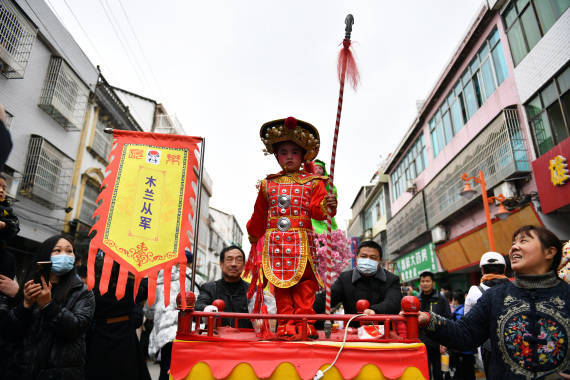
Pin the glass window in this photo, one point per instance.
(542, 134)
(549, 94)
(413, 163)
(534, 107)
(488, 77)
(484, 51)
(530, 26)
(470, 99)
(557, 122)
(521, 4)
(545, 14)
(564, 80)
(500, 64)
(516, 41)
(566, 105)
(478, 90)
(448, 132)
(510, 15)
(560, 7)
(456, 117)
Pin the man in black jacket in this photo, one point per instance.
(431, 300)
(369, 281)
(5, 139)
(231, 288)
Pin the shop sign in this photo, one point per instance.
(411, 265)
(552, 177)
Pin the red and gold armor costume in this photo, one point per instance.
(285, 205)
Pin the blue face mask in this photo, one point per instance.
(61, 264)
(366, 266)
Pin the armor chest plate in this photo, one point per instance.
(290, 200)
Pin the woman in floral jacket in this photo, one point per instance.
(527, 321)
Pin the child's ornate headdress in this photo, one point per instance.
(290, 129)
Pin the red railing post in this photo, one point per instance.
(411, 308)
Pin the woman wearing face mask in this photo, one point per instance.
(51, 321)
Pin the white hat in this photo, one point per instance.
(492, 258)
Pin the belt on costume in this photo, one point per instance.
(299, 223)
(122, 318)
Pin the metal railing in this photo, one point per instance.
(47, 176)
(499, 151)
(17, 37)
(102, 142)
(64, 96)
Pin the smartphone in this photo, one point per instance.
(43, 268)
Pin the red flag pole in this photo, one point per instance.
(346, 67)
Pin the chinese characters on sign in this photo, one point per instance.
(410, 266)
(558, 170)
(148, 198)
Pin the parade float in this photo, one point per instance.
(149, 208)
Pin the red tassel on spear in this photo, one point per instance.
(346, 69)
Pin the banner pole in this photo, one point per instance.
(197, 216)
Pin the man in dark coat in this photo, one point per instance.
(230, 288)
(431, 300)
(367, 281)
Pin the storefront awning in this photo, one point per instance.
(466, 250)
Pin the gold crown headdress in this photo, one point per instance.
(290, 129)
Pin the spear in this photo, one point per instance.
(346, 67)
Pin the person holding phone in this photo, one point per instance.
(48, 326)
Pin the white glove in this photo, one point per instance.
(209, 309)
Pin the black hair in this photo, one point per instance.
(494, 269)
(459, 296)
(547, 240)
(223, 253)
(2, 177)
(427, 274)
(447, 294)
(370, 244)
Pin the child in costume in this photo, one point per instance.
(285, 205)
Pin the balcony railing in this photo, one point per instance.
(407, 224)
(17, 36)
(64, 96)
(47, 177)
(499, 151)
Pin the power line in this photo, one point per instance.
(123, 44)
(146, 60)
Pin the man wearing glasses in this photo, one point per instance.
(230, 288)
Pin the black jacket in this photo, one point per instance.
(438, 304)
(7, 263)
(5, 144)
(51, 341)
(528, 323)
(234, 295)
(382, 291)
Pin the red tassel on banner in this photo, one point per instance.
(105, 274)
(136, 287)
(347, 65)
(167, 274)
(121, 283)
(182, 278)
(151, 288)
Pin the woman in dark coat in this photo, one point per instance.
(113, 348)
(49, 324)
(527, 321)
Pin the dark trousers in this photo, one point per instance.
(464, 365)
(165, 355)
(434, 363)
(486, 357)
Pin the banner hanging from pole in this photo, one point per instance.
(144, 218)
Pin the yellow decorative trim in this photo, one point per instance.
(294, 178)
(304, 255)
(324, 208)
(263, 188)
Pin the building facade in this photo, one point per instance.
(476, 119)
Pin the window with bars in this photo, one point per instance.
(17, 36)
(64, 96)
(480, 79)
(89, 203)
(549, 113)
(413, 163)
(47, 175)
(527, 21)
(102, 142)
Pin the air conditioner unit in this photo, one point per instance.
(508, 189)
(410, 186)
(438, 234)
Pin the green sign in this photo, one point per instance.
(410, 266)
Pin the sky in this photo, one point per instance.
(226, 67)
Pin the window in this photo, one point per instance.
(549, 113)
(17, 37)
(480, 79)
(102, 142)
(89, 203)
(527, 21)
(47, 175)
(64, 96)
(413, 163)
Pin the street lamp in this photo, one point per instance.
(502, 213)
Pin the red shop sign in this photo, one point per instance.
(552, 176)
